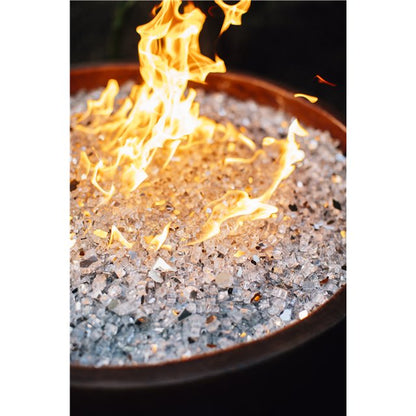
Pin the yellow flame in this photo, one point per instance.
(310, 98)
(116, 235)
(158, 114)
(237, 203)
(107, 194)
(230, 160)
(100, 233)
(84, 165)
(291, 154)
(155, 242)
(160, 118)
(232, 13)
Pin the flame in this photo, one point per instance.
(100, 233)
(158, 115)
(310, 98)
(84, 165)
(324, 81)
(155, 242)
(232, 13)
(116, 235)
(230, 160)
(134, 138)
(236, 203)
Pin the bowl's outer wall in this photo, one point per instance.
(245, 355)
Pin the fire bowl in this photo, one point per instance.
(270, 347)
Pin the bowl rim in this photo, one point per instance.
(237, 357)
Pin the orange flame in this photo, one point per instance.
(324, 81)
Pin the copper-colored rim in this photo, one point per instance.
(234, 358)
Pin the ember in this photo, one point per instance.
(324, 81)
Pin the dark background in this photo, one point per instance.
(287, 43)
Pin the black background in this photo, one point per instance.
(287, 43)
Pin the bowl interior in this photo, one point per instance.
(243, 355)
